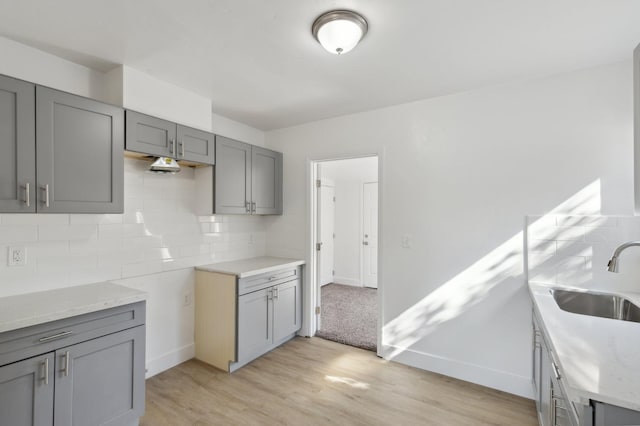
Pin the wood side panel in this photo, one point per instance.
(215, 325)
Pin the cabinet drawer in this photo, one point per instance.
(258, 282)
(30, 341)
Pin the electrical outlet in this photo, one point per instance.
(187, 298)
(17, 256)
(406, 241)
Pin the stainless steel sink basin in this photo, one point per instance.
(597, 305)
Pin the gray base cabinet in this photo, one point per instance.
(238, 320)
(90, 370)
(553, 406)
(266, 318)
(162, 138)
(247, 179)
(26, 392)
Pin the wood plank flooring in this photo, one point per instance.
(317, 382)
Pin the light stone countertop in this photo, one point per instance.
(599, 358)
(29, 309)
(250, 267)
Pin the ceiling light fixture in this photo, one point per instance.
(339, 31)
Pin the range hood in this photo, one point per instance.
(164, 165)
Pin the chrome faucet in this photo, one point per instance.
(612, 266)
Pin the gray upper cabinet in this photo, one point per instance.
(26, 392)
(153, 136)
(232, 185)
(79, 154)
(195, 145)
(247, 179)
(150, 135)
(17, 146)
(266, 181)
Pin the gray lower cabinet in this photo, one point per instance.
(553, 406)
(238, 320)
(267, 317)
(247, 179)
(154, 136)
(26, 392)
(79, 154)
(90, 370)
(114, 363)
(17, 146)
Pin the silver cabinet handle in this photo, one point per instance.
(181, 148)
(45, 188)
(172, 145)
(253, 206)
(275, 290)
(45, 364)
(65, 371)
(54, 337)
(27, 194)
(556, 372)
(247, 206)
(270, 294)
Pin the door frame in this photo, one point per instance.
(362, 256)
(312, 300)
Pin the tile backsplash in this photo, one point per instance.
(574, 251)
(159, 231)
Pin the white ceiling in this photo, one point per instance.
(257, 60)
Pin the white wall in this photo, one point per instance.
(348, 176)
(458, 175)
(159, 238)
(36, 66)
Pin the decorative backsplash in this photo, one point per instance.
(158, 232)
(574, 251)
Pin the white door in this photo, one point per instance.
(370, 235)
(326, 225)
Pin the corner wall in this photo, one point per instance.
(459, 174)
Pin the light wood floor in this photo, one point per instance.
(315, 382)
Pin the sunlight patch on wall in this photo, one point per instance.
(472, 285)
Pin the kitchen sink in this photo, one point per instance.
(597, 304)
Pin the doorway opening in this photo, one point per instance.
(346, 250)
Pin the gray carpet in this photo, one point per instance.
(349, 315)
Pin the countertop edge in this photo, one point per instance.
(132, 296)
(223, 267)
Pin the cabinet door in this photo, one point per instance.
(17, 146)
(545, 386)
(101, 381)
(80, 146)
(255, 317)
(196, 145)
(232, 188)
(266, 181)
(150, 135)
(26, 397)
(287, 315)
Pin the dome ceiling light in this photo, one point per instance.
(339, 31)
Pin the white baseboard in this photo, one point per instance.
(170, 359)
(491, 378)
(347, 281)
